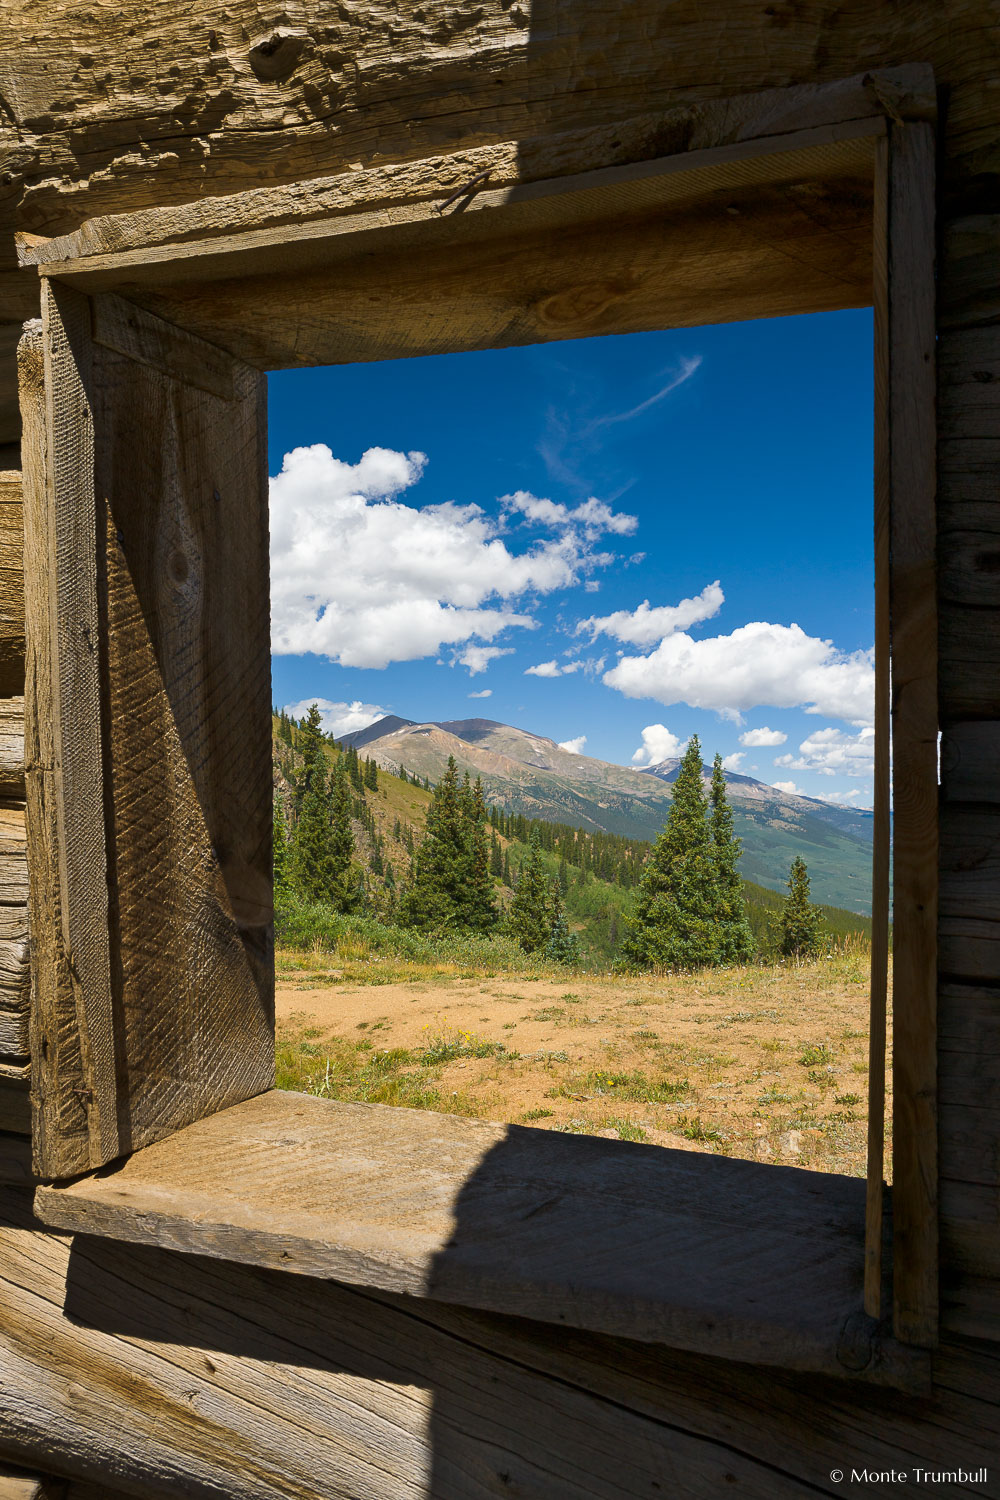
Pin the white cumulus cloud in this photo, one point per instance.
(757, 664)
(364, 579)
(338, 718)
(644, 625)
(831, 752)
(486, 693)
(734, 761)
(478, 658)
(575, 747)
(789, 787)
(762, 737)
(657, 744)
(544, 669)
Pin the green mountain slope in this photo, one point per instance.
(530, 774)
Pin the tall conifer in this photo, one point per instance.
(529, 910)
(736, 944)
(800, 922)
(674, 925)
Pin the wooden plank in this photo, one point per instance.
(15, 1101)
(11, 585)
(743, 252)
(18, 1484)
(905, 92)
(881, 831)
(969, 362)
(184, 564)
(970, 756)
(15, 1160)
(172, 558)
(12, 747)
(967, 280)
(237, 1381)
(911, 420)
(125, 328)
(734, 1258)
(74, 1100)
(970, 663)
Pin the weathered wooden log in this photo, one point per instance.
(235, 1381)
(15, 1160)
(11, 590)
(18, 1484)
(15, 1103)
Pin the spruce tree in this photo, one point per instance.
(478, 910)
(563, 945)
(344, 886)
(529, 910)
(496, 858)
(312, 863)
(436, 898)
(736, 944)
(312, 776)
(801, 923)
(371, 775)
(280, 847)
(674, 924)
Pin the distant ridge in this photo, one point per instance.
(532, 774)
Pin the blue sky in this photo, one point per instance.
(444, 529)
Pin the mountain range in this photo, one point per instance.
(531, 774)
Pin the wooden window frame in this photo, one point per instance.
(160, 280)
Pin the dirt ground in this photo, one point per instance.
(765, 1063)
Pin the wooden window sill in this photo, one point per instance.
(723, 1257)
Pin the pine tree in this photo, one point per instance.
(312, 776)
(280, 846)
(344, 888)
(371, 776)
(736, 942)
(435, 899)
(496, 858)
(801, 923)
(674, 924)
(529, 910)
(563, 945)
(506, 867)
(479, 910)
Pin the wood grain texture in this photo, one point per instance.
(910, 329)
(881, 787)
(237, 1381)
(692, 129)
(500, 1217)
(184, 570)
(15, 1101)
(15, 1160)
(477, 281)
(74, 1097)
(18, 1484)
(970, 762)
(11, 585)
(403, 82)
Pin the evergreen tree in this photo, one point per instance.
(280, 846)
(312, 776)
(312, 865)
(479, 907)
(436, 899)
(736, 944)
(529, 910)
(496, 858)
(371, 775)
(562, 945)
(506, 867)
(345, 875)
(563, 876)
(800, 923)
(674, 924)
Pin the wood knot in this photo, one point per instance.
(580, 304)
(274, 56)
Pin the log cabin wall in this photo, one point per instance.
(228, 1380)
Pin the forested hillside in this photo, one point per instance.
(596, 872)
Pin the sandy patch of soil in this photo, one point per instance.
(769, 1064)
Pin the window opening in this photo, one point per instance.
(549, 567)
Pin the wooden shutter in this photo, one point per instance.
(148, 731)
